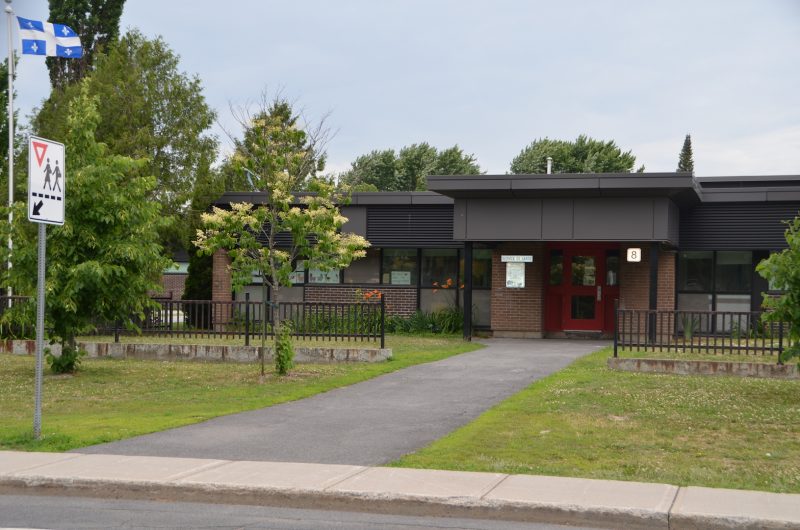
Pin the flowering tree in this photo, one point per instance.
(280, 157)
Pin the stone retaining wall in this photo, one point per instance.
(201, 352)
(676, 367)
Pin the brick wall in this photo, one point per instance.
(635, 288)
(173, 285)
(518, 311)
(221, 287)
(399, 300)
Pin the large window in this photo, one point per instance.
(399, 266)
(439, 268)
(710, 280)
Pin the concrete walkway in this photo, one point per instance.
(368, 423)
(420, 492)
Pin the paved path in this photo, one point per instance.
(368, 423)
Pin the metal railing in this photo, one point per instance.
(717, 332)
(242, 319)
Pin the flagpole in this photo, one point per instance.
(10, 13)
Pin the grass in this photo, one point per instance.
(588, 421)
(111, 399)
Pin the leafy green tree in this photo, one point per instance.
(97, 24)
(782, 270)
(454, 161)
(686, 158)
(280, 157)
(584, 155)
(406, 170)
(148, 109)
(378, 168)
(18, 140)
(106, 257)
(413, 164)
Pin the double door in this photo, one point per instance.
(582, 282)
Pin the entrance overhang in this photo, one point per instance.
(568, 207)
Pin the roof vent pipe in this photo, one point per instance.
(549, 165)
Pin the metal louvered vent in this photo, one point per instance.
(736, 226)
(411, 226)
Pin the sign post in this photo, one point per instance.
(46, 197)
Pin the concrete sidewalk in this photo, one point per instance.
(598, 503)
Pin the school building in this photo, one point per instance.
(548, 255)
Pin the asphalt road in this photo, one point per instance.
(22, 511)
(369, 423)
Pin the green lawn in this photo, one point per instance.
(588, 421)
(113, 399)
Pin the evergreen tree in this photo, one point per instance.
(686, 159)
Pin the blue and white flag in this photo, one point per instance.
(53, 40)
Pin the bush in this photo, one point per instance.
(284, 351)
(450, 320)
(67, 362)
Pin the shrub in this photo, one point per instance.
(67, 362)
(450, 320)
(284, 351)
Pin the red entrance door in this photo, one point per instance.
(582, 282)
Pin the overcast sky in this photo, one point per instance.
(492, 76)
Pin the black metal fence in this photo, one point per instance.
(233, 320)
(717, 332)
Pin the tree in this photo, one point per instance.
(378, 168)
(413, 164)
(782, 270)
(106, 257)
(686, 158)
(97, 24)
(406, 170)
(148, 109)
(280, 157)
(584, 155)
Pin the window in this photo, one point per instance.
(715, 280)
(733, 272)
(298, 276)
(399, 266)
(364, 270)
(612, 268)
(318, 276)
(439, 268)
(695, 270)
(556, 267)
(481, 268)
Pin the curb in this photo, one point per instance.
(396, 491)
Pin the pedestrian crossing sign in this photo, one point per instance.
(47, 181)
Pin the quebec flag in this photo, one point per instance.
(53, 40)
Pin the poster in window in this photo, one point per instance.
(515, 275)
(401, 277)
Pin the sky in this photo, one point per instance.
(493, 76)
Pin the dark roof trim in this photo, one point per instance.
(681, 187)
(765, 188)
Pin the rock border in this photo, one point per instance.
(706, 368)
(204, 352)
